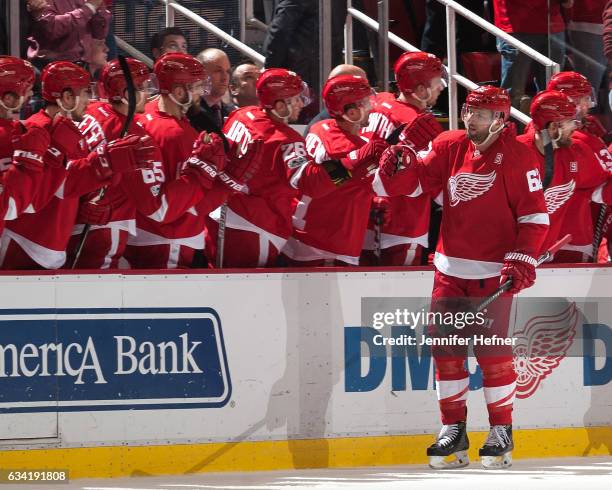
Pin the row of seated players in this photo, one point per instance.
(78, 192)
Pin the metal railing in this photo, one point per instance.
(453, 8)
(133, 52)
(173, 6)
(455, 78)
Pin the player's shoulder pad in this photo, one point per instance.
(323, 126)
(447, 138)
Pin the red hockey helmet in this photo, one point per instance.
(63, 75)
(340, 91)
(488, 97)
(278, 84)
(179, 69)
(16, 76)
(112, 83)
(571, 83)
(416, 68)
(551, 106)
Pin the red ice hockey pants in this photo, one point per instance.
(102, 249)
(241, 248)
(496, 362)
(403, 254)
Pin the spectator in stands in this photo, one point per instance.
(242, 85)
(585, 31)
(607, 42)
(218, 68)
(169, 40)
(529, 21)
(607, 31)
(65, 29)
(469, 36)
(99, 57)
(292, 40)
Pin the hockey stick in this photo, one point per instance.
(555, 247)
(131, 92)
(599, 231)
(221, 235)
(378, 224)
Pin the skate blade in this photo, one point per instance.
(455, 460)
(497, 462)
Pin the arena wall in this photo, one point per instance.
(128, 374)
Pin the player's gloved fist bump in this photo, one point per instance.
(124, 155)
(209, 147)
(396, 158)
(366, 155)
(92, 213)
(29, 148)
(241, 168)
(67, 142)
(420, 131)
(521, 268)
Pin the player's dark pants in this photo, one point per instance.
(451, 294)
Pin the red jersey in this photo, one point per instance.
(587, 15)
(332, 226)
(101, 125)
(43, 232)
(581, 206)
(18, 186)
(528, 16)
(576, 171)
(285, 170)
(174, 137)
(409, 215)
(492, 202)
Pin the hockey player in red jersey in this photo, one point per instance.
(320, 237)
(494, 222)
(567, 166)
(194, 177)
(111, 213)
(402, 240)
(259, 223)
(582, 204)
(39, 239)
(21, 149)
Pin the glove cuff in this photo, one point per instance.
(521, 257)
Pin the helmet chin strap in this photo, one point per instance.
(358, 121)
(491, 134)
(183, 105)
(13, 109)
(555, 141)
(285, 119)
(423, 100)
(69, 112)
(139, 96)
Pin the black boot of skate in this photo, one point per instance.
(450, 449)
(497, 450)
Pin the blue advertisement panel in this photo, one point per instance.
(112, 359)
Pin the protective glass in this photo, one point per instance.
(478, 116)
(201, 87)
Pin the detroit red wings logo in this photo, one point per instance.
(558, 195)
(540, 346)
(465, 186)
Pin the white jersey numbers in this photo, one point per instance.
(533, 180)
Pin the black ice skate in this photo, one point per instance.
(497, 450)
(450, 449)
